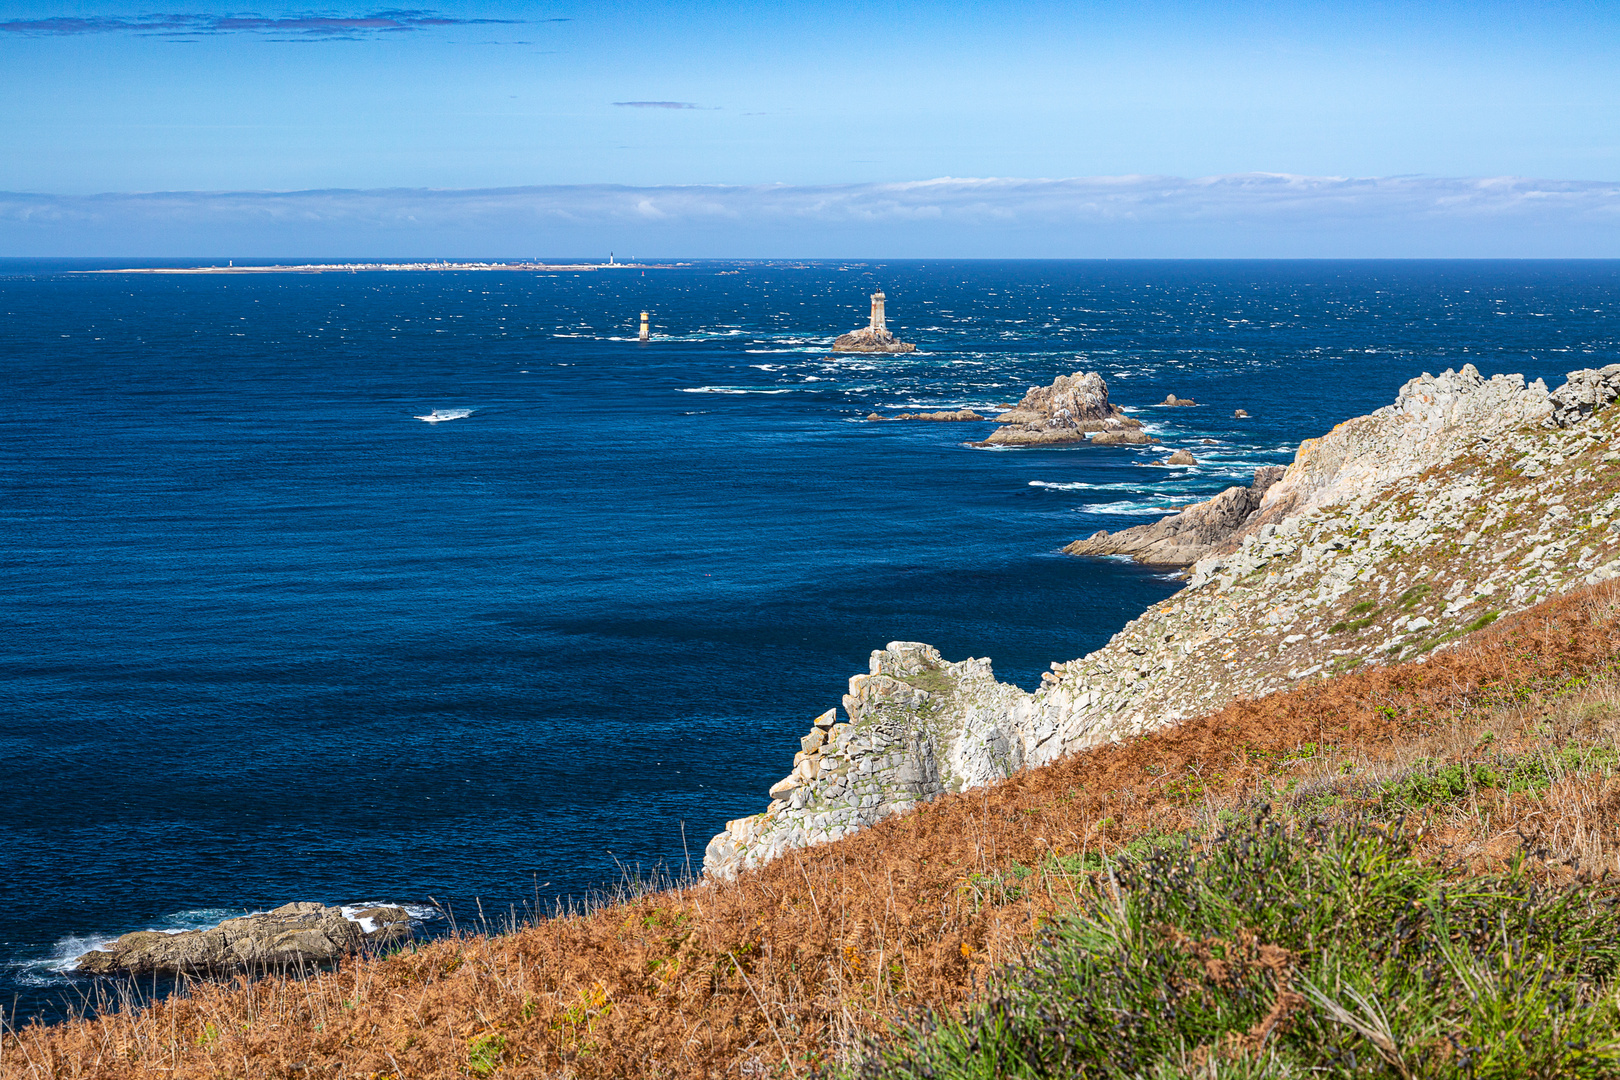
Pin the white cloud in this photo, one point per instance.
(1253, 214)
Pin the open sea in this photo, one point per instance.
(266, 634)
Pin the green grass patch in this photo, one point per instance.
(1323, 951)
(1410, 597)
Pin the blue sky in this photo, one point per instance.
(828, 96)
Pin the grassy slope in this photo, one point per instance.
(1492, 752)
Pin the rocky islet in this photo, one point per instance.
(1072, 409)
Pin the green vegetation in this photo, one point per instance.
(1320, 951)
(484, 1053)
(1410, 597)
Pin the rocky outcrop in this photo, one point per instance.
(1240, 414)
(917, 726)
(1181, 457)
(1073, 409)
(1171, 399)
(1183, 538)
(291, 936)
(869, 340)
(1395, 534)
(943, 415)
(1584, 393)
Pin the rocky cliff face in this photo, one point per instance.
(1393, 535)
(1073, 409)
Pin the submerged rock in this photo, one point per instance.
(290, 936)
(1073, 409)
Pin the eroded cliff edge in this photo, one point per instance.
(1394, 534)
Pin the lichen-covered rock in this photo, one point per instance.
(1071, 409)
(1395, 534)
(291, 936)
(918, 726)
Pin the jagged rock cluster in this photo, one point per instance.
(1073, 409)
(1395, 534)
(291, 936)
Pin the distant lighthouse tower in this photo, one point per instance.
(877, 312)
(645, 333)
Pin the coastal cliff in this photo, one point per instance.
(1393, 535)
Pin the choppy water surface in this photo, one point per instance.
(386, 586)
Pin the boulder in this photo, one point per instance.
(1073, 409)
(1171, 399)
(290, 936)
(1181, 457)
(1184, 538)
(1240, 414)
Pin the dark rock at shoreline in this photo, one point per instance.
(290, 936)
(1182, 539)
(1073, 409)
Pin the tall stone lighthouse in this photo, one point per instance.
(875, 336)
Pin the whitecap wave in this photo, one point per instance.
(438, 416)
(729, 390)
(1156, 508)
(1081, 485)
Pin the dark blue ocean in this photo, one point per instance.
(265, 635)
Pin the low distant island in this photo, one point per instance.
(875, 336)
(355, 267)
